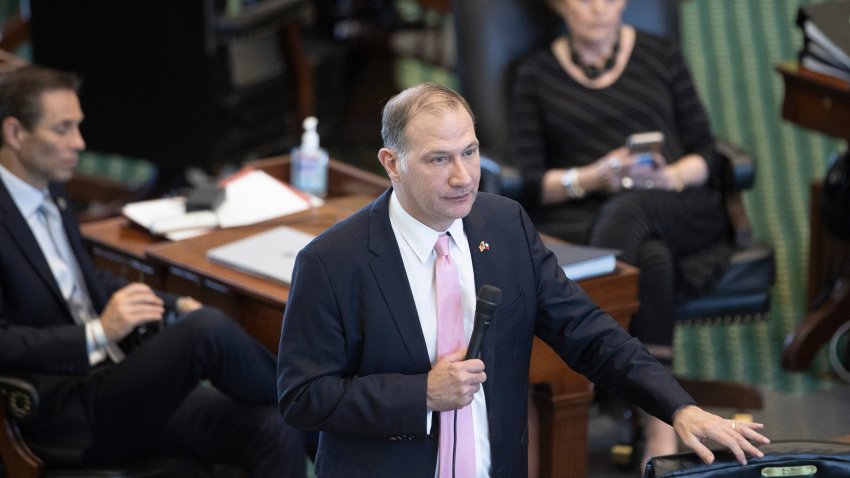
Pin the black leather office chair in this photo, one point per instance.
(19, 400)
(492, 36)
(183, 83)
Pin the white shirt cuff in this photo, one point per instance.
(95, 341)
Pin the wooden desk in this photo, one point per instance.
(822, 104)
(118, 247)
(258, 304)
(564, 402)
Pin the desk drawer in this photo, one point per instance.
(182, 282)
(261, 320)
(127, 267)
(816, 105)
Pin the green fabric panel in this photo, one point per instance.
(116, 167)
(732, 48)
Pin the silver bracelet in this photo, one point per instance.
(570, 182)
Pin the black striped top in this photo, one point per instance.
(558, 123)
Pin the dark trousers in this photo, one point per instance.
(153, 400)
(655, 230)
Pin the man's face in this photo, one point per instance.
(441, 179)
(51, 150)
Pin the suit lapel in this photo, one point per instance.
(474, 224)
(392, 280)
(19, 230)
(484, 265)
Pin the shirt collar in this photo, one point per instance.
(420, 237)
(26, 197)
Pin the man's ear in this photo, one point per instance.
(391, 163)
(11, 131)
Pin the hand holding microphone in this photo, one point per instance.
(449, 387)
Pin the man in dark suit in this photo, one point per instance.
(60, 323)
(358, 356)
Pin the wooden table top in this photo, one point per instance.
(191, 253)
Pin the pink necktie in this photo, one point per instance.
(450, 338)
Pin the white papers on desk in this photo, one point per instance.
(252, 196)
(168, 215)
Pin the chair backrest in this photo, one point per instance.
(492, 35)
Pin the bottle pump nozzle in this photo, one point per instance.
(310, 137)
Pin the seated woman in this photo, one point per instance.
(573, 107)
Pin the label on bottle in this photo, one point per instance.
(310, 172)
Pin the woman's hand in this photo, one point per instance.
(618, 171)
(644, 171)
(604, 175)
(689, 170)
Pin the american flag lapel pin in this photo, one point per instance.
(483, 246)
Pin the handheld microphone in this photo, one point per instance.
(488, 300)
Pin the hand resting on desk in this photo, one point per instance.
(694, 425)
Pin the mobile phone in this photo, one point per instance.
(644, 144)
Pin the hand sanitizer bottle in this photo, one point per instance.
(309, 171)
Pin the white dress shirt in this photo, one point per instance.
(416, 244)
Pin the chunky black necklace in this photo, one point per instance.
(591, 71)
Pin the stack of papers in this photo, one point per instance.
(826, 28)
(252, 196)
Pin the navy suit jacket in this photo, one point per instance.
(39, 339)
(353, 361)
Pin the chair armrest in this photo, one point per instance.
(739, 173)
(739, 168)
(18, 400)
(264, 14)
(500, 179)
(511, 182)
(19, 397)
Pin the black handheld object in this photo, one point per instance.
(488, 300)
(205, 198)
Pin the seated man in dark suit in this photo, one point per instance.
(60, 323)
(373, 348)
